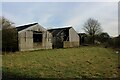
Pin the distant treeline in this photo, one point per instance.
(101, 39)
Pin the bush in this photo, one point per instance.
(9, 36)
(115, 42)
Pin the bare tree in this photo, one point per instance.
(92, 27)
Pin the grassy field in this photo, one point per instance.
(83, 62)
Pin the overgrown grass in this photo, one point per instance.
(83, 62)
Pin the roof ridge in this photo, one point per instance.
(60, 28)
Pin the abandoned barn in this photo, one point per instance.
(64, 37)
(33, 37)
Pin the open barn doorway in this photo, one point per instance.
(60, 37)
(37, 39)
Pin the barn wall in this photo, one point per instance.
(48, 40)
(73, 39)
(39, 45)
(68, 44)
(25, 39)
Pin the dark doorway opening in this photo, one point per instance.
(37, 36)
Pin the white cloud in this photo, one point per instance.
(111, 28)
(0, 9)
(75, 15)
(105, 13)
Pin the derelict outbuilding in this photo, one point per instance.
(33, 37)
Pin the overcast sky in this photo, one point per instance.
(60, 14)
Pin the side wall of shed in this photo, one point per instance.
(73, 39)
(25, 40)
(48, 42)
